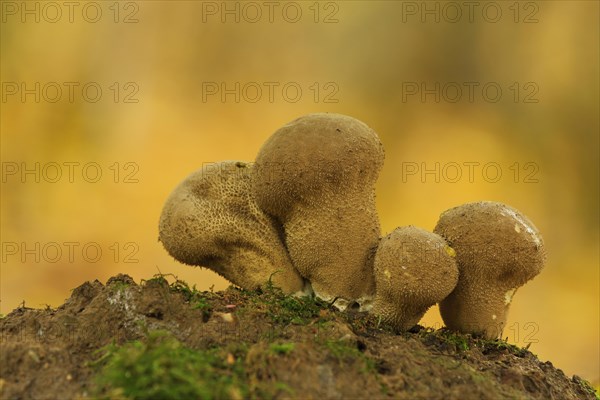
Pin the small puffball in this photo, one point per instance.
(212, 220)
(497, 250)
(414, 269)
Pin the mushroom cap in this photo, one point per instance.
(493, 241)
(313, 155)
(497, 250)
(414, 269)
(211, 219)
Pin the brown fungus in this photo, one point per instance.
(414, 269)
(212, 220)
(497, 250)
(316, 175)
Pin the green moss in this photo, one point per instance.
(281, 348)
(283, 309)
(189, 293)
(587, 386)
(458, 340)
(204, 306)
(499, 345)
(119, 286)
(163, 368)
(157, 280)
(461, 342)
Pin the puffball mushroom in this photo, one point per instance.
(212, 220)
(414, 269)
(497, 250)
(316, 175)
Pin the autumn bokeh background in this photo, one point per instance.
(366, 59)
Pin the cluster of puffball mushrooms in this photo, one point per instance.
(303, 217)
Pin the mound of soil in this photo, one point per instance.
(291, 349)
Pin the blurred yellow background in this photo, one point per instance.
(145, 92)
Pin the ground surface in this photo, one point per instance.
(166, 340)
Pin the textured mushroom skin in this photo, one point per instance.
(414, 269)
(497, 250)
(211, 219)
(316, 175)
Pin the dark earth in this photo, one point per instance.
(250, 345)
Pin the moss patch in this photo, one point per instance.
(161, 367)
